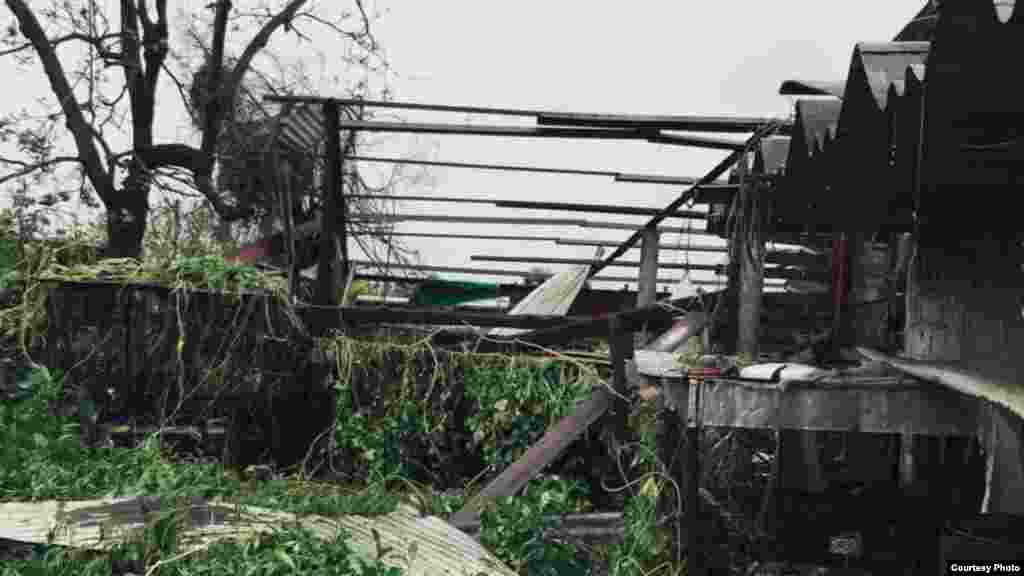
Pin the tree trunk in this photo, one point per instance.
(127, 215)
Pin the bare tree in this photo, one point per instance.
(95, 108)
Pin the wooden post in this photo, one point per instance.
(647, 286)
(677, 404)
(694, 562)
(284, 179)
(327, 285)
(620, 348)
(750, 251)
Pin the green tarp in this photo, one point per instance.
(434, 292)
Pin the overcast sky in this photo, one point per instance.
(715, 58)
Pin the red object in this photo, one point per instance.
(254, 252)
(840, 271)
(704, 372)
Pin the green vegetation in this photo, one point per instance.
(42, 458)
(396, 436)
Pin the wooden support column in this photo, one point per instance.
(327, 283)
(285, 179)
(676, 400)
(749, 250)
(620, 348)
(647, 285)
(695, 530)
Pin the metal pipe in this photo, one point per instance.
(658, 122)
(582, 261)
(504, 131)
(406, 105)
(491, 272)
(665, 247)
(501, 167)
(696, 141)
(715, 172)
(471, 220)
(596, 208)
(552, 118)
(639, 229)
(618, 176)
(527, 205)
(462, 236)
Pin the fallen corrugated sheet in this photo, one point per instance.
(421, 545)
(552, 298)
(1007, 394)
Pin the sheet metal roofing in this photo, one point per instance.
(818, 120)
(885, 64)
(772, 154)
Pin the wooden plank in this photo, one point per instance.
(554, 442)
(387, 315)
(872, 407)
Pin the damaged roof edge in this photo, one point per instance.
(812, 88)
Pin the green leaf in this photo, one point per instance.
(40, 440)
(284, 557)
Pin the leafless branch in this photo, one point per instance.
(76, 121)
(97, 42)
(26, 168)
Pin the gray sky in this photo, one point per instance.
(715, 58)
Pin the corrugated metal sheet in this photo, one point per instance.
(859, 154)
(818, 120)
(421, 545)
(974, 116)
(771, 155)
(302, 128)
(887, 63)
